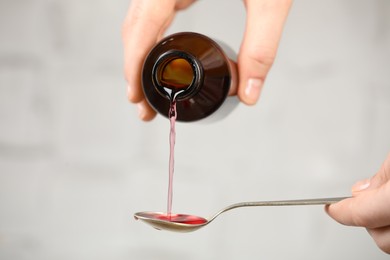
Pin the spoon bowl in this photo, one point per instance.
(173, 222)
(189, 223)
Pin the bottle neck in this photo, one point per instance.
(177, 75)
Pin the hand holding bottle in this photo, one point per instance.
(369, 207)
(147, 21)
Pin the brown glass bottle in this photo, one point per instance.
(192, 70)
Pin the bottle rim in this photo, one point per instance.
(191, 89)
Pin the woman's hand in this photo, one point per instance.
(369, 207)
(147, 21)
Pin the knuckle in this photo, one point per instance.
(264, 56)
(384, 246)
(131, 99)
(359, 216)
(359, 219)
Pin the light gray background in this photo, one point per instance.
(76, 163)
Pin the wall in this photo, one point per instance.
(76, 163)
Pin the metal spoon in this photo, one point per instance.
(189, 223)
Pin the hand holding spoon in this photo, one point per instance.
(189, 223)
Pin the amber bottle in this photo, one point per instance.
(192, 70)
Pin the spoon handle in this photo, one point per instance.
(320, 201)
(301, 202)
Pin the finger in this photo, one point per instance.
(370, 209)
(234, 78)
(382, 176)
(381, 237)
(141, 29)
(265, 20)
(145, 111)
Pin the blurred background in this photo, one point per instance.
(76, 163)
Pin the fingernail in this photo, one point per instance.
(141, 110)
(361, 185)
(253, 88)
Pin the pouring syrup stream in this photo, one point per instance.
(172, 139)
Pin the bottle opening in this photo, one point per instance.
(177, 74)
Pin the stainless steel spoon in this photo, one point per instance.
(189, 223)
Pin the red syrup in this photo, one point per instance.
(177, 218)
(172, 139)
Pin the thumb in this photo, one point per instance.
(265, 20)
(381, 177)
